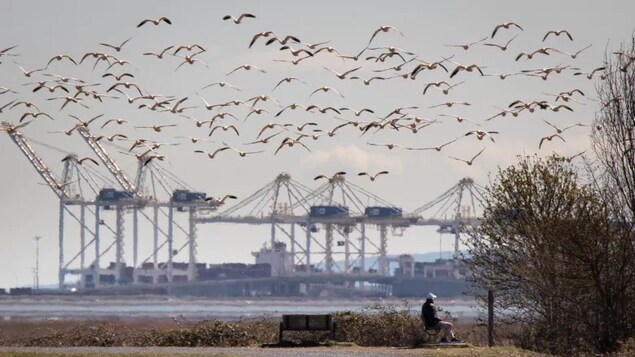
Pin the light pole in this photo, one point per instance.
(37, 261)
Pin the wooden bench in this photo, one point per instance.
(307, 323)
(432, 334)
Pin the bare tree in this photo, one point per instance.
(612, 136)
(549, 247)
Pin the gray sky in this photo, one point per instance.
(42, 29)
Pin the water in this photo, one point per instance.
(129, 308)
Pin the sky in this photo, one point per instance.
(43, 29)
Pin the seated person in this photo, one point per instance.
(432, 321)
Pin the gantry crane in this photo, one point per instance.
(61, 188)
(139, 202)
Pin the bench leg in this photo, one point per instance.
(333, 331)
(280, 333)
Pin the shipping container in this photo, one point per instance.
(188, 196)
(328, 211)
(112, 195)
(378, 211)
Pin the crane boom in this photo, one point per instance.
(110, 164)
(51, 180)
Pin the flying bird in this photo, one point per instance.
(160, 54)
(34, 115)
(468, 68)
(549, 138)
(290, 142)
(331, 178)
(119, 121)
(467, 46)
(118, 77)
(372, 177)
(344, 74)
(220, 201)
(79, 161)
(561, 130)
(225, 128)
(383, 29)
(28, 73)
(222, 85)
(480, 134)
(505, 25)
(246, 67)
(114, 47)
(156, 128)
(156, 22)
(59, 58)
(470, 161)
(326, 89)
(287, 80)
(502, 48)
(213, 154)
(557, 33)
(237, 20)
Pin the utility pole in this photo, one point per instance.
(37, 262)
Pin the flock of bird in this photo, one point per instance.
(214, 124)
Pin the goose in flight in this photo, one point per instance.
(225, 128)
(367, 81)
(26, 104)
(290, 142)
(50, 89)
(59, 58)
(322, 110)
(372, 177)
(239, 19)
(246, 67)
(449, 104)
(344, 74)
(459, 118)
(466, 46)
(284, 41)
(255, 111)
(222, 85)
(155, 22)
(160, 54)
(530, 55)
(557, 33)
(189, 60)
(119, 121)
(34, 115)
(245, 153)
(115, 47)
(200, 48)
(326, 89)
(297, 52)
(437, 148)
(329, 178)
(28, 73)
(287, 80)
(156, 128)
(264, 140)
(383, 29)
(468, 68)
(575, 54)
(294, 62)
(561, 130)
(118, 77)
(221, 201)
(211, 155)
(292, 106)
(549, 138)
(505, 25)
(389, 146)
(502, 48)
(480, 134)
(261, 34)
(358, 112)
(112, 137)
(79, 161)
(69, 100)
(592, 73)
(470, 161)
